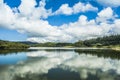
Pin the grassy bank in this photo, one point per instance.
(111, 42)
(117, 47)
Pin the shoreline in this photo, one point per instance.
(74, 48)
(66, 48)
(116, 49)
(37, 48)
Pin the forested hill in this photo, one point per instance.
(12, 45)
(98, 42)
(103, 41)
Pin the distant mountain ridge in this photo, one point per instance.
(109, 41)
(28, 42)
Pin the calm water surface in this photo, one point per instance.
(60, 65)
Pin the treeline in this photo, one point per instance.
(12, 45)
(101, 41)
(52, 44)
(98, 42)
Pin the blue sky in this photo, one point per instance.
(58, 20)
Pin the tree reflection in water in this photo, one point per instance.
(64, 65)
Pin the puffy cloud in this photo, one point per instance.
(112, 3)
(78, 7)
(41, 62)
(64, 9)
(27, 7)
(7, 17)
(116, 27)
(80, 30)
(81, 7)
(31, 11)
(31, 22)
(105, 15)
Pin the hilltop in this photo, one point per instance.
(112, 41)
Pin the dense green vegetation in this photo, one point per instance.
(12, 45)
(100, 42)
(107, 41)
(51, 44)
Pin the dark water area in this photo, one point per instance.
(60, 65)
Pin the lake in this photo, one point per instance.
(60, 64)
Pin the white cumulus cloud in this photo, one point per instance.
(7, 17)
(105, 15)
(78, 7)
(112, 3)
(31, 21)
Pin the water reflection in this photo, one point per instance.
(106, 53)
(12, 58)
(62, 65)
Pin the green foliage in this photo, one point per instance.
(52, 44)
(98, 42)
(79, 44)
(48, 44)
(12, 45)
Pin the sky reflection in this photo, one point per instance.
(12, 58)
(43, 62)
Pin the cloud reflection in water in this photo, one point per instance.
(40, 63)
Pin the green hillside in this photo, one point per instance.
(12, 45)
(99, 42)
(107, 41)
